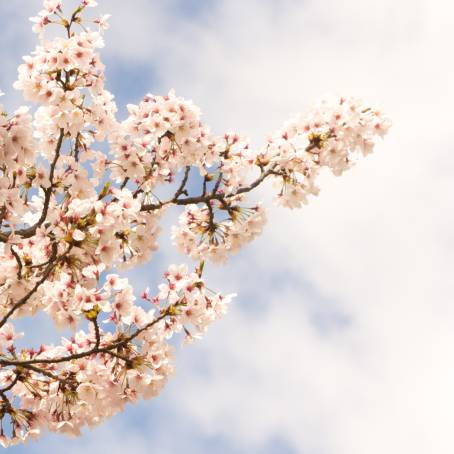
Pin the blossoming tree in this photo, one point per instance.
(70, 215)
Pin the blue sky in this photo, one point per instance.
(340, 341)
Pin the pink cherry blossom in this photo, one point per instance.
(72, 217)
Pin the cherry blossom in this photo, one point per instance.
(73, 217)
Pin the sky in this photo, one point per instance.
(341, 339)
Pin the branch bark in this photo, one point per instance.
(214, 195)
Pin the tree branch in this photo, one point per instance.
(96, 350)
(44, 277)
(30, 231)
(19, 263)
(212, 195)
(183, 183)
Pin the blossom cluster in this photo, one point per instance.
(107, 368)
(71, 216)
(200, 237)
(160, 136)
(16, 154)
(330, 136)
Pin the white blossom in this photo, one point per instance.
(72, 217)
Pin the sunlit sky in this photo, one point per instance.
(341, 338)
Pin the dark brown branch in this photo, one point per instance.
(125, 182)
(12, 384)
(217, 184)
(30, 231)
(41, 371)
(212, 195)
(96, 350)
(44, 277)
(180, 190)
(19, 263)
(97, 333)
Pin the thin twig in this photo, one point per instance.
(19, 263)
(31, 292)
(212, 196)
(96, 350)
(30, 231)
